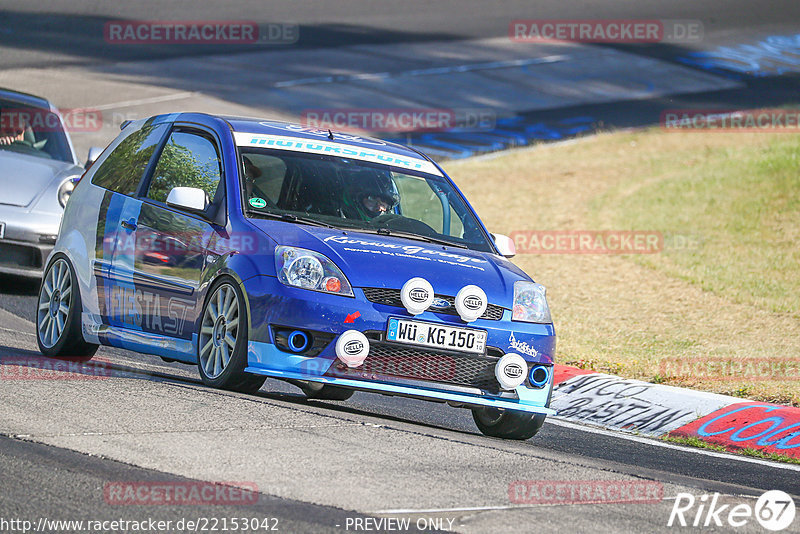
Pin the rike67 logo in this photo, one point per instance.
(774, 511)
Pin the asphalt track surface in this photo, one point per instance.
(43, 481)
(143, 423)
(319, 464)
(66, 32)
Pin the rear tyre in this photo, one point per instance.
(317, 391)
(507, 424)
(222, 343)
(58, 314)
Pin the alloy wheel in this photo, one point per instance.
(54, 303)
(219, 331)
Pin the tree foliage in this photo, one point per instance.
(181, 165)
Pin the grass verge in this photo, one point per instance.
(693, 441)
(725, 287)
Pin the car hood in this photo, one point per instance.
(370, 260)
(24, 177)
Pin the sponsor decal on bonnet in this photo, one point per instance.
(409, 251)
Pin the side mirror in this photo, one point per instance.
(94, 153)
(187, 198)
(505, 245)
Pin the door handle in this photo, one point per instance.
(129, 225)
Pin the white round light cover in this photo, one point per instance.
(417, 295)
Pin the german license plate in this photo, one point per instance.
(436, 335)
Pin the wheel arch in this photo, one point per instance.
(72, 246)
(216, 276)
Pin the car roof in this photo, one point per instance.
(25, 98)
(315, 140)
(249, 125)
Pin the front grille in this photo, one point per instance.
(398, 361)
(391, 297)
(20, 255)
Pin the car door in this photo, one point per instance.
(120, 175)
(171, 243)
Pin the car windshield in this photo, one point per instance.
(353, 194)
(33, 131)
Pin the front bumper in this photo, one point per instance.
(22, 258)
(28, 238)
(273, 305)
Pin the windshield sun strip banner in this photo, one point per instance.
(313, 146)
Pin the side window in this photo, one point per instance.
(123, 168)
(188, 160)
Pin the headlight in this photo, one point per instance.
(530, 304)
(64, 191)
(307, 269)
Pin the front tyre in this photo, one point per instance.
(222, 343)
(58, 314)
(507, 424)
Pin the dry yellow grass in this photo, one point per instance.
(627, 314)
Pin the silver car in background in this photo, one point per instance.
(38, 170)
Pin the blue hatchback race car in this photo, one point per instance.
(266, 249)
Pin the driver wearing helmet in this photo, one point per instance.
(371, 193)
